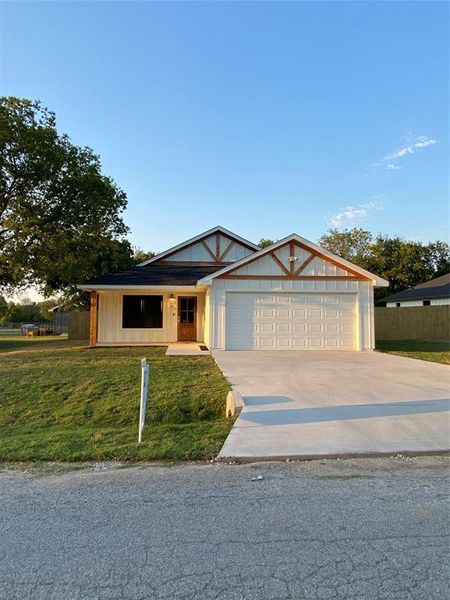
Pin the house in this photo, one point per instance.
(431, 293)
(222, 290)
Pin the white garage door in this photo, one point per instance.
(290, 321)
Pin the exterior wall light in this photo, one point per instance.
(172, 301)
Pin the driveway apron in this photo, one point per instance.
(331, 404)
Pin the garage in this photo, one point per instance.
(290, 321)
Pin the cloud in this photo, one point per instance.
(355, 214)
(421, 141)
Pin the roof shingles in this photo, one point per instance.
(435, 288)
(158, 274)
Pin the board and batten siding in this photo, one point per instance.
(361, 290)
(198, 252)
(110, 330)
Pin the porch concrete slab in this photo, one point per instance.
(185, 349)
(330, 404)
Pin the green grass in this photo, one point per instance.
(20, 342)
(64, 402)
(423, 350)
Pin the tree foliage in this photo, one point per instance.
(17, 312)
(60, 217)
(265, 242)
(140, 255)
(402, 262)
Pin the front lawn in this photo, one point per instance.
(12, 343)
(63, 402)
(423, 350)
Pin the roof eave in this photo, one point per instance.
(114, 287)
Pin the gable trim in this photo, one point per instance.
(297, 277)
(295, 240)
(201, 237)
(305, 263)
(279, 263)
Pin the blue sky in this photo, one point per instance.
(267, 118)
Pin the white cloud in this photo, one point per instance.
(351, 215)
(421, 141)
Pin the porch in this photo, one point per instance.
(127, 317)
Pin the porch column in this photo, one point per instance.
(93, 322)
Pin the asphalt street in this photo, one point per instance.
(351, 529)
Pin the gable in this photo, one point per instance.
(292, 260)
(214, 248)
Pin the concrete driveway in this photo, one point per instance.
(316, 404)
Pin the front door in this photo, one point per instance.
(187, 319)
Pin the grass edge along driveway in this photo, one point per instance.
(64, 402)
(433, 351)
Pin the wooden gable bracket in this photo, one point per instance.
(216, 257)
(210, 252)
(279, 263)
(227, 249)
(293, 273)
(305, 263)
(217, 246)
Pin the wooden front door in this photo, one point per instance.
(187, 319)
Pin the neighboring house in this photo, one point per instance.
(431, 293)
(221, 289)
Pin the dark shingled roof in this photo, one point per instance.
(159, 274)
(435, 288)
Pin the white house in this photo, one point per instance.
(222, 290)
(434, 292)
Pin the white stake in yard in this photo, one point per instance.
(145, 368)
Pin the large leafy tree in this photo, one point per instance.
(60, 217)
(403, 263)
(351, 244)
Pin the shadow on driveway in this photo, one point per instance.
(346, 412)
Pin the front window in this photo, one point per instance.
(142, 312)
(426, 302)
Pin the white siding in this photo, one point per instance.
(110, 330)
(403, 303)
(319, 266)
(263, 266)
(198, 252)
(363, 315)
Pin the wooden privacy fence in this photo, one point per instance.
(79, 325)
(412, 323)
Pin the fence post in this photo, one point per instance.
(145, 368)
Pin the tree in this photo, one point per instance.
(439, 257)
(60, 217)
(22, 313)
(403, 263)
(140, 255)
(352, 244)
(3, 306)
(265, 243)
